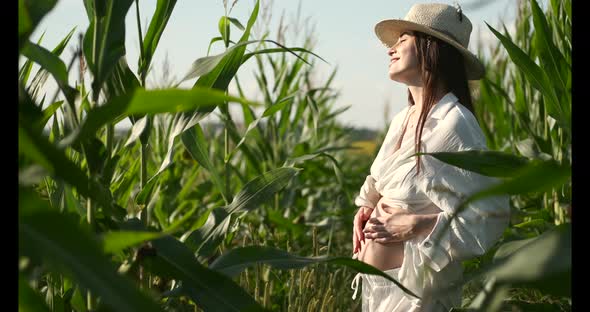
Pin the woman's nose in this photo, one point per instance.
(391, 50)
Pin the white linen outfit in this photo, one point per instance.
(433, 261)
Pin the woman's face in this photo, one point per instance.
(403, 65)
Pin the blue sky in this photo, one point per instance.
(343, 30)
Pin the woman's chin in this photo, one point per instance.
(394, 77)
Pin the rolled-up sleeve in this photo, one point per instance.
(480, 224)
(475, 229)
(368, 195)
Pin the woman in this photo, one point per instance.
(404, 225)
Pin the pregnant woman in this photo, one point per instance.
(404, 224)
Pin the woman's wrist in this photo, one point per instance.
(425, 223)
(370, 208)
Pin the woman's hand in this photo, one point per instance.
(398, 225)
(361, 216)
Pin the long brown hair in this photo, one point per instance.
(442, 67)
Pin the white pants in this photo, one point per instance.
(382, 295)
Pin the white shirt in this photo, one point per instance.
(449, 127)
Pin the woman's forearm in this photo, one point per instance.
(425, 223)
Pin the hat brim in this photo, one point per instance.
(388, 31)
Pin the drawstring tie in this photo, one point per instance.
(355, 282)
(355, 285)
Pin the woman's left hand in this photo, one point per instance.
(398, 225)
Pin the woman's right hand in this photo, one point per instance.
(360, 218)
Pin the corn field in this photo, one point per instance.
(181, 215)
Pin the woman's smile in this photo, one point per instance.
(408, 71)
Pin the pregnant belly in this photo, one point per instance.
(382, 256)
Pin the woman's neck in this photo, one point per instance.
(418, 96)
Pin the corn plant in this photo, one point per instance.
(128, 223)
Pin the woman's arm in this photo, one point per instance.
(399, 225)
(459, 235)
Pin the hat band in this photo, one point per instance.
(449, 35)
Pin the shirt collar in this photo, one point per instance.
(440, 109)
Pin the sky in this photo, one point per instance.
(343, 32)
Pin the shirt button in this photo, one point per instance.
(427, 244)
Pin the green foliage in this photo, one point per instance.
(134, 216)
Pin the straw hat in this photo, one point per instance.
(442, 21)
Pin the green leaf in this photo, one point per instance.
(219, 78)
(30, 13)
(223, 73)
(253, 125)
(104, 41)
(489, 163)
(180, 123)
(256, 192)
(96, 155)
(49, 111)
(31, 175)
(531, 223)
(61, 46)
(176, 225)
(540, 176)
(53, 64)
(26, 146)
(72, 250)
(549, 270)
(137, 129)
(213, 40)
(206, 238)
(537, 77)
(121, 80)
(28, 299)
(24, 21)
(224, 30)
(150, 102)
(251, 154)
(237, 23)
(78, 301)
(282, 49)
(275, 217)
(277, 107)
(554, 63)
(490, 298)
(152, 37)
(508, 249)
(194, 141)
(568, 9)
(261, 189)
(96, 118)
(25, 71)
(213, 291)
(207, 64)
(56, 163)
(550, 55)
(159, 101)
(114, 242)
(236, 260)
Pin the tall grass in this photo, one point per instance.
(151, 220)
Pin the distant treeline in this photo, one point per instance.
(356, 134)
(362, 134)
